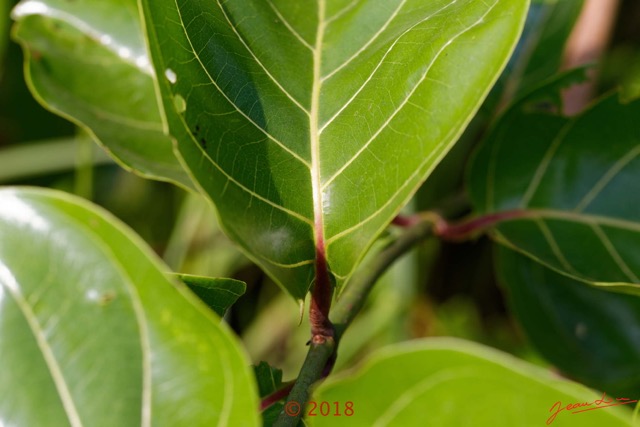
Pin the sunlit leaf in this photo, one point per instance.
(310, 124)
(446, 382)
(92, 333)
(87, 61)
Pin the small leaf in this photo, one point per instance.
(269, 378)
(447, 382)
(568, 180)
(96, 335)
(88, 62)
(311, 125)
(590, 334)
(218, 294)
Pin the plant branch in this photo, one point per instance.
(312, 370)
(277, 395)
(322, 352)
(353, 297)
(463, 230)
(321, 295)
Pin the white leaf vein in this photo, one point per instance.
(342, 12)
(407, 98)
(286, 23)
(8, 282)
(259, 62)
(368, 43)
(233, 104)
(378, 65)
(231, 179)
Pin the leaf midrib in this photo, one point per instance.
(314, 135)
(47, 353)
(581, 217)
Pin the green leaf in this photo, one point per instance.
(447, 382)
(548, 30)
(93, 333)
(88, 62)
(590, 334)
(4, 36)
(311, 125)
(567, 183)
(269, 378)
(217, 293)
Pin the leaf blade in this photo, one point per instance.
(271, 88)
(441, 381)
(217, 293)
(119, 342)
(66, 46)
(554, 309)
(570, 191)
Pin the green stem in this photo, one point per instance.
(353, 297)
(319, 358)
(322, 354)
(312, 370)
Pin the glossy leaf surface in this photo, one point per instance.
(591, 335)
(311, 124)
(92, 333)
(447, 382)
(572, 182)
(87, 61)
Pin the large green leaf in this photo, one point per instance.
(590, 334)
(310, 124)
(572, 183)
(87, 61)
(93, 333)
(447, 382)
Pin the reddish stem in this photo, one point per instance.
(406, 220)
(276, 396)
(463, 230)
(321, 327)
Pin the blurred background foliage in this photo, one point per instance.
(439, 289)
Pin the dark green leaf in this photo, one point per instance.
(569, 183)
(93, 333)
(4, 32)
(548, 29)
(590, 334)
(269, 378)
(87, 61)
(311, 124)
(218, 294)
(271, 414)
(447, 382)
